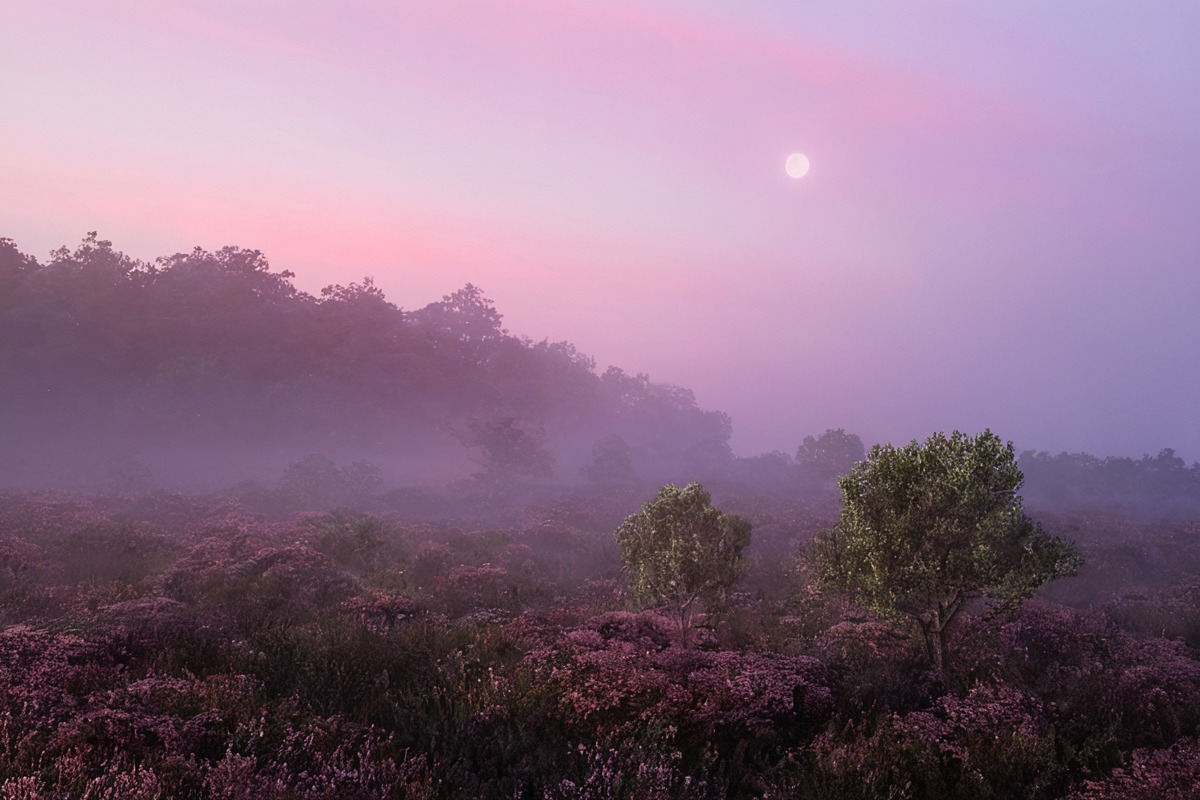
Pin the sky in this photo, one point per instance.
(1000, 227)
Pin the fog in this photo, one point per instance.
(203, 371)
(461, 400)
(996, 230)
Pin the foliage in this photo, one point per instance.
(273, 643)
(679, 549)
(315, 482)
(509, 448)
(993, 743)
(209, 652)
(348, 538)
(611, 460)
(1155, 487)
(829, 455)
(467, 318)
(1105, 691)
(617, 678)
(1172, 772)
(928, 527)
(217, 359)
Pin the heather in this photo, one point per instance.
(224, 646)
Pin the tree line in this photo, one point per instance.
(202, 349)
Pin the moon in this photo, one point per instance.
(797, 165)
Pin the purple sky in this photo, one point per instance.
(1000, 228)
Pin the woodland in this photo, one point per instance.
(261, 544)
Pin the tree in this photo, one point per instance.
(928, 527)
(509, 448)
(14, 267)
(611, 460)
(829, 455)
(313, 482)
(316, 482)
(680, 551)
(466, 319)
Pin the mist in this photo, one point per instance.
(204, 370)
(982, 239)
(440, 400)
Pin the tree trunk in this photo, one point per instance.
(685, 624)
(933, 632)
(938, 649)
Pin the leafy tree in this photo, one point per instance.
(711, 458)
(313, 482)
(362, 479)
(611, 460)
(767, 471)
(316, 482)
(509, 448)
(466, 318)
(680, 550)
(925, 528)
(831, 454)
(665, 421)
(14, 267)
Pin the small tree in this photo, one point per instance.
(509, 449)
(313, 482)
(833, 453)
(611, 460)
(316, 482)
(680, 550)
(927, 527)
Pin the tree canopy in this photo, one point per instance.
(926, 528)
(103, 352)
(679, 550)
(829, 455)
(509, 448)
(611, 460)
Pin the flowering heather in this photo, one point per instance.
(339, 655)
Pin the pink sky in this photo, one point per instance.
(998, 228)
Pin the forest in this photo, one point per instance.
(256, 543)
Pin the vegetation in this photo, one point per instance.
(167, 645)
(680, 550)
(509, 449)
(344, 624)
(929, 527)
(830, 455)
(1151, 487)
(612, 461)
(206, 363)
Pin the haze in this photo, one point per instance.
(997, 230)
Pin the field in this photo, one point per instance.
(459, 644)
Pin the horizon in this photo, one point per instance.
(995, 230)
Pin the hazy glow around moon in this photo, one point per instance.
(797, 165)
